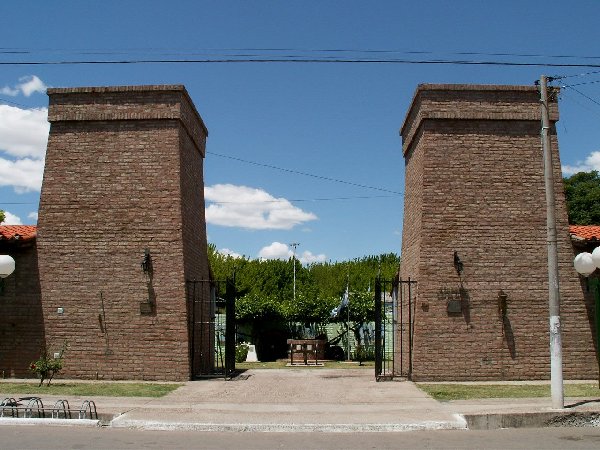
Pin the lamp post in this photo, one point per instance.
(585, 264)
(7, 266)
(294, 245)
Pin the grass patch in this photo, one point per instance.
(445, 392)
(97, 389)
(282, 364)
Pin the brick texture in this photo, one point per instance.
(123, 174)
(22, 325)
(474, 185)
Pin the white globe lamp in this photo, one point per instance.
(584, 263)
(596, 257)
(7, 265)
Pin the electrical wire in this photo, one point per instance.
(582, 84)
(583, 95)
(5, 100)
(170, 51)
(297, 61)
(283, 200)
(306, 174)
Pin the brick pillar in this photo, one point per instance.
(123, 174)
(474, 186)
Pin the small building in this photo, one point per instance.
(22, 334)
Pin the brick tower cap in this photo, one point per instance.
(472, 102)
(106, 103)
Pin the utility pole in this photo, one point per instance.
(294, 245)
(556, 375)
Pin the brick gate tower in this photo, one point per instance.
(474, 239)
(121, 228)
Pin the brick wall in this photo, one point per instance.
(21, 324)
(474, 185)
(123, 174)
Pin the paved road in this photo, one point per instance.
(52, 437)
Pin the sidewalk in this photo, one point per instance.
(327, 400)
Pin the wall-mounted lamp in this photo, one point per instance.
(458, 264)
(148, 307)
(147, 262)
(7, 266)
(586, 263)
(502, 303)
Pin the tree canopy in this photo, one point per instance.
(266, 302)
(1, 216)
(582, 192)
(266, 287)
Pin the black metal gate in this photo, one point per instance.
(405, 305)
(384, 332)
(394, 328)
(211, 328)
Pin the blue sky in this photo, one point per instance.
(334, 121)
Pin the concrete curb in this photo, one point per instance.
(460, 424)
(49, 422)
(496, 421)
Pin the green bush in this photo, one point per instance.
(46, 367)
(364, 353)
(241, 352)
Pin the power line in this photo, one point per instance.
(5, 100)
(582, 84)
(580, 74)
(582, 94)
(365, 197)
(297, 60)
(154, 50)
(297, 172)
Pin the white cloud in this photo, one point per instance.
(7, 90)
(308, 258)
(23, 138)
(592, 162)
(245, 207)
(27, 86)
(33, 215)
(24, 175)
(277, 250)
(11, 219)
(24, 132)
(227, 252)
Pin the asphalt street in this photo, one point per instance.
(53, 437)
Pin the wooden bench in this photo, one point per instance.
(306, 350)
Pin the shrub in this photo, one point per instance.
(364, 353)
(241, 352)
(45, 367)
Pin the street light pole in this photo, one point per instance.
(294, 245)
(556, 375)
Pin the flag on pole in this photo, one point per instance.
(344, 299)
(335, 312)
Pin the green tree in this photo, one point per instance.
(1, 216)
(582, 192)
(266, 302)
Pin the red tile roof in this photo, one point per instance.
(585, 232)
(18, 232)
(27, 232)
